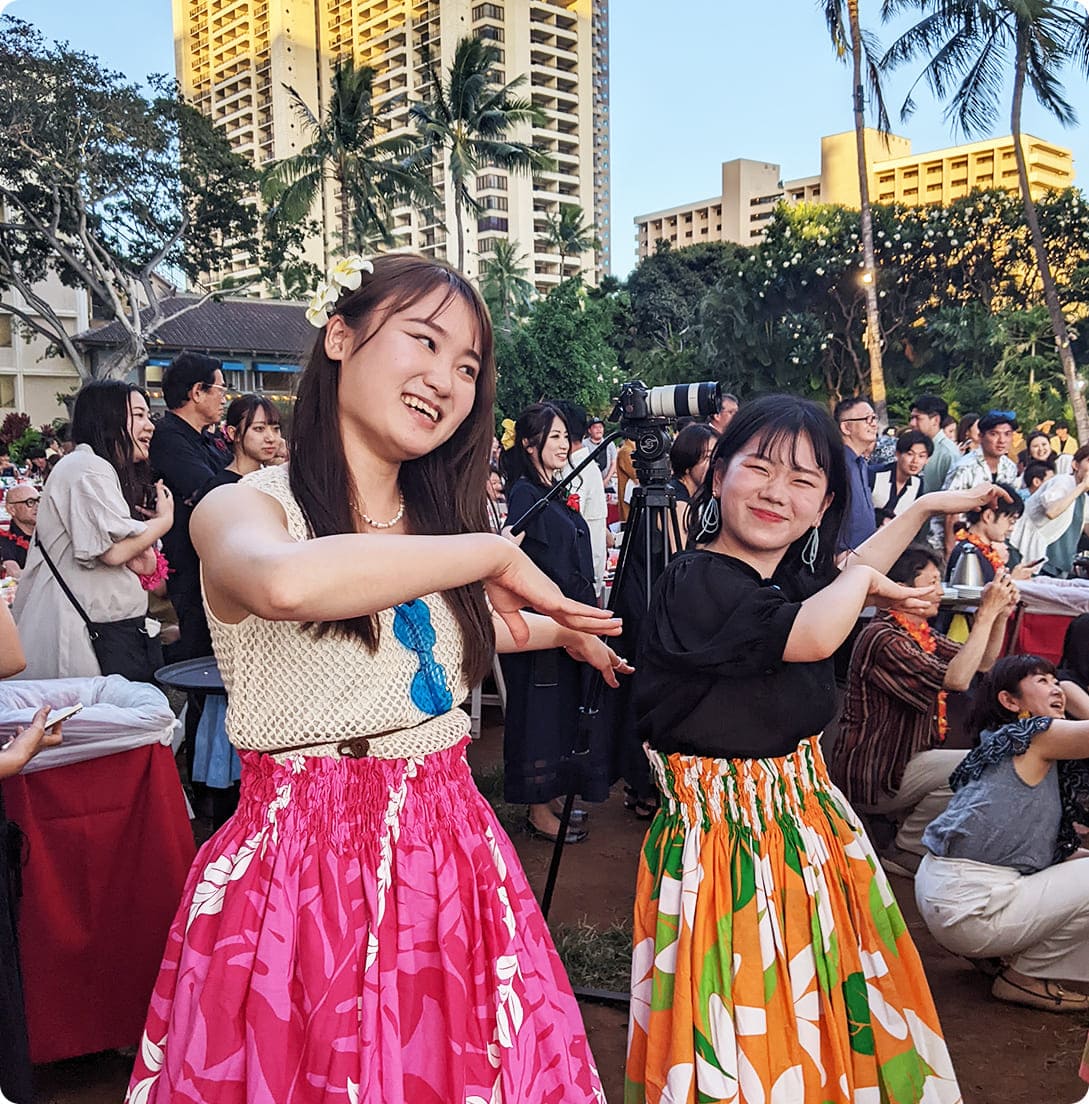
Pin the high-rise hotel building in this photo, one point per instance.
(236, 59)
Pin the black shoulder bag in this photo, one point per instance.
(121, 647)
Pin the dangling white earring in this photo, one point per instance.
(710, 519)
(811, 548)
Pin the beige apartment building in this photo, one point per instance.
(235, 57)
(752, 189)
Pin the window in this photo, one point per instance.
(492, 222)
(487, 11)
(491, 180)
(7, 390)
(495, 203)
(490, 32)
(5, 330)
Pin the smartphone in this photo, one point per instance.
(151, 498)
(59, 715)
(1037, 563)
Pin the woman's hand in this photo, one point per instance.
(885, 594)
(588, 649)
(509, 534)
(962, 502)
(164, 506)
(519, 582)
(27, 742)
(143, 563)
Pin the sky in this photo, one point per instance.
(693, 83)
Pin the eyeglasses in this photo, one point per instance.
(216, 387)
(870, 419)
(25, 502)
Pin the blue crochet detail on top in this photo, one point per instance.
(412, 627)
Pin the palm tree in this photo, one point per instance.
(503, 282)
(371, 173)
(980, 44)
(570, 234)
(470, 118)
(849, 39)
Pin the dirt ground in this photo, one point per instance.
(1002, 1054)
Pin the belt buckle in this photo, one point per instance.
(358, 747)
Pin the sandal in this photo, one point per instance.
(1049, 997)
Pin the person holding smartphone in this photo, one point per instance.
(15, 753)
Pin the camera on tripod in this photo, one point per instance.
(643, 413)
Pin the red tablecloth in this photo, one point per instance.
(1042, 634)
(110, 847)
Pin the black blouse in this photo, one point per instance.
(710, 676)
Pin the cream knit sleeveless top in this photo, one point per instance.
(287, 688)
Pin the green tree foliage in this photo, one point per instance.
(570, 234)
(371, 173)
(562, 349)
(470, 121)
(504, 285)
(109, 189)
(971, 48)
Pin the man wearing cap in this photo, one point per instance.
(606, 460)
(21, 503)
(988, 463)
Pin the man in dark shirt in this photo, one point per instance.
(21, 503)
(858, 427)
(186, 459)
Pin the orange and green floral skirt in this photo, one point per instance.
(771, 963)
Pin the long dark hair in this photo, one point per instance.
(100, 418)
(533, 427)
(1007, 674)
(776, 420)
(1074, 665)
(445, 490)
(243, 410)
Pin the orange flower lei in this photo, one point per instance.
(985, 550)
(924, 637)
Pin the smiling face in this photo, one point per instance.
(141, 427)
(407, 387)
(769, 498)
(1039, 448)
(553, 452)
(1038, 695)
(929, 578)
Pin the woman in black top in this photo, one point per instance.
(545, 689)
(769, 952)
(1074, 667)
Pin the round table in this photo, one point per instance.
(200, 676)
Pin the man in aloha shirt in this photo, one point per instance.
(988, 463)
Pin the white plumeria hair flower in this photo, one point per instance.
(346, 275)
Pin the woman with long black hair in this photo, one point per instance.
(88, 526)
(360, 930)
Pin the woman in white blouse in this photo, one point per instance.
(86, 523)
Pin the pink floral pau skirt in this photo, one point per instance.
(361, 930)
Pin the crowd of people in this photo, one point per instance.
(359, 927)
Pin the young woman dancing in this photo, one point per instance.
(360, 929)
(771, 961)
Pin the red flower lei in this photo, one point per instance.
(573, 502)
(924, 637)
(985, 550)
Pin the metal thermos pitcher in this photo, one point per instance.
(968, 572)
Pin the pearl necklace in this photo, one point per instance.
(383, 524)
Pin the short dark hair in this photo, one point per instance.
(844, 405)
(1081, 454)
(1060, 425)
(1038, 469)
(914, 558)
(1007, 674)
(183, 373)
(912, 437)
(932, 405)
(1014, 508)
(774, 421)
(688, 446)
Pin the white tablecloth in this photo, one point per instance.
(117, 715)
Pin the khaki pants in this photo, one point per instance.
(923, 794)
(1039, 922)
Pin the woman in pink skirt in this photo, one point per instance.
(360, 929)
